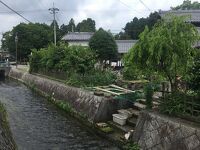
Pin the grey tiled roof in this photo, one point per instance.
(194, 15)
(125, 45)
(78, 36)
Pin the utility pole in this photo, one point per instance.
(16, 42)
(53, 11)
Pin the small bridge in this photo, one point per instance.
(4, 68)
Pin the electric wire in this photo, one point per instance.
(128, 6)
(14, 11)
(145, 5)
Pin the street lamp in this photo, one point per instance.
(16, 42)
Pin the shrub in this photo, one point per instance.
(73, 59)
(194, 75)
(149, 90)
(131, 146)
(173, 104)
(92, 78)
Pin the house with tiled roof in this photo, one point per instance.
(78, 38)
(82, 38)
(193, 17)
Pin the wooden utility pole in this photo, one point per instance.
(16, 42)
(53, 11)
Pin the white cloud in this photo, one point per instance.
(109, 14)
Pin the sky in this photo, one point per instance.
(109, 14)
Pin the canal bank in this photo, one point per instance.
(83, 105)
(86, 103)
(6, 138)
(37, 124)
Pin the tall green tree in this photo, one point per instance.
(103, 43)
(86, 26)
(166, 49)
(58, 33)
(29, 36)
(187, 5)
(133, 29)
(70, 27)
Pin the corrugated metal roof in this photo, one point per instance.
(125, 45)
(194, 15)
(78, 36)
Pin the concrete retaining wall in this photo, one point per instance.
(158, 132)
(96, 108)
(6, 139)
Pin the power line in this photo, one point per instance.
(128, 6)
(145, 5)
(14, 11)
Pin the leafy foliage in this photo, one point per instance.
(166, 49)
(149, 90)
(131, 146)
(93, 78)
(187, 5)
(173, 104)
(104, 45)
(30, 36)
(86, 26)
(75, 62)
(64, 29)
(194, 74)
(74, 59)
(137, 26)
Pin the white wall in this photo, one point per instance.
(81, 43)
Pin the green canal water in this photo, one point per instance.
(36, 124)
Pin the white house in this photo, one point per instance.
(78, 38)
(82, 38)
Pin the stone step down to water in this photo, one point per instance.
(126, 128)
(139, 106)
(143, 101)
(132, 121)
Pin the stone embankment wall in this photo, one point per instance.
(95, 108)
(158, 132)
(6, 139)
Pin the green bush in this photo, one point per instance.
(73, 59)
(149, 90)
(131, 146)
(194, 75)
(92, 78)
(173, 104)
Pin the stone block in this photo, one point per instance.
(198, 133)
(175, 135)
(187, 131)
(165, 143)
(192, 142)
(155, 124)
(149, 143)
(157, 147)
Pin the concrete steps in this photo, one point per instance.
(126, 128)
(143, 101)
(132, 121)
(139, 106)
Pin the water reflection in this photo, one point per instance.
(38, 125)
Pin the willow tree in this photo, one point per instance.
(167, 49)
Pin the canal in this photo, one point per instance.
(36, 124)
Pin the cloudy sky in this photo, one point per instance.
(109, 14)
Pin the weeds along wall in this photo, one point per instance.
(95, 108)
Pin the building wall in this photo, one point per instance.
(81, 43)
